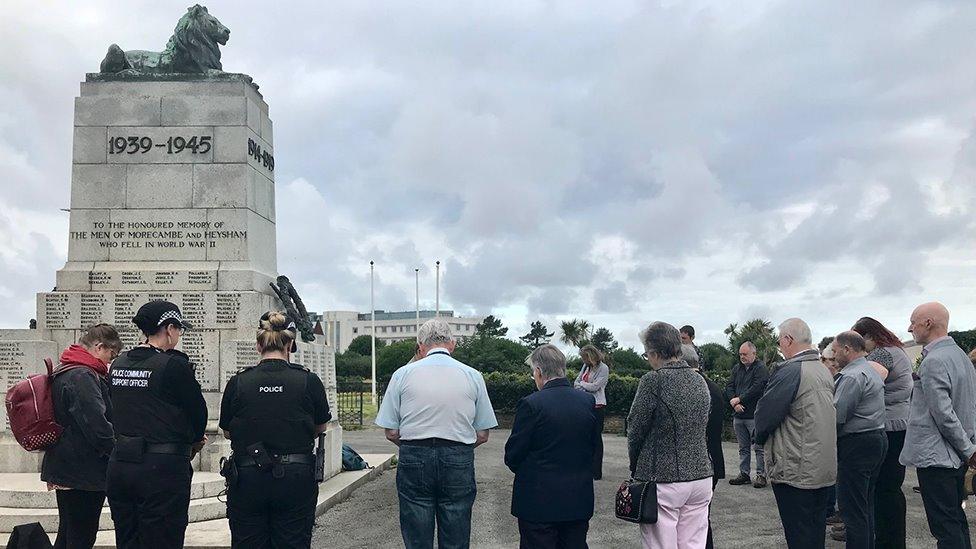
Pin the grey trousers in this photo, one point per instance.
(744, 430)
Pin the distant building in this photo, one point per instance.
(341, 327)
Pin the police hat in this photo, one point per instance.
(159, 312)
(290, 325)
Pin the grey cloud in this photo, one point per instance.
(614, 298)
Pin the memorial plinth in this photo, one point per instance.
(172, 197)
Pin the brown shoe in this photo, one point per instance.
(740, 480)
(760, 482)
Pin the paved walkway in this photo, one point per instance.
(743, 517)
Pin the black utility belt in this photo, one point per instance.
(284, 459)
(433, 442)
(131, 449)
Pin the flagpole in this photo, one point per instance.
(372, 313)
(417, 275)
(437, 311)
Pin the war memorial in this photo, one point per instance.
(172, 197)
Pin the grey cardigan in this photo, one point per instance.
(897, 386)
(597, 384)
(667, 420)
(942, 425)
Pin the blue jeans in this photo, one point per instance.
(745, 429)
(436, 484)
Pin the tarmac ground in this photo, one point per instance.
(742, 516)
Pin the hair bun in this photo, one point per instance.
(277, 321)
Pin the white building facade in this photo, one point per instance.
(341, 327)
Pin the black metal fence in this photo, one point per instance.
(354, 401)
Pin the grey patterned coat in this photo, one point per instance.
(668, 419)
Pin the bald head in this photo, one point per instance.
(929, 322)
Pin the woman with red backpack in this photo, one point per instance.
(75, 465)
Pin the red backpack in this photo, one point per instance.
(30, 409)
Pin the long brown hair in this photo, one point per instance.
(592, 353)
(870, 328)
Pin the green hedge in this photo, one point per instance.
(505, 390)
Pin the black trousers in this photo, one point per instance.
(889, 500)
(601, 416)
(943, 492)
(150, 501)
(804, 515)
(859, 458)
(709, 543)
(264, 511)
(78, 514)
(553, 535)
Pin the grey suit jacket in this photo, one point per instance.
(942, 422)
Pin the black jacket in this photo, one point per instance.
(551, 451)
(82, 406)
(156, 396)
(713, 431)
(748, 384)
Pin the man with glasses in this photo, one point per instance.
(796, 421)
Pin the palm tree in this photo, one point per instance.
(575, 332)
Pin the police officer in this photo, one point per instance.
(159, 419)
(272, 413)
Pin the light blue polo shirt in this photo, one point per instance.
(437, 397)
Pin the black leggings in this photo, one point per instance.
(601, 415)
(78, 514)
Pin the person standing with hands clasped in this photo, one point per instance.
(592, 378)
(745, 386)
(159, 418)
(75, 465)
(553, 442)
(941, 435)
(271, 413)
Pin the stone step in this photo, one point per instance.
(215, 533)
(200, 510)
(27, 491)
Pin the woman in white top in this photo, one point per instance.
(592, 378)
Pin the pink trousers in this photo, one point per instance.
(682, 516)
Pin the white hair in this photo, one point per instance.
(549, 360)
(434, 331)
(797, 329)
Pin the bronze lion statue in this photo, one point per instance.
(193, 48)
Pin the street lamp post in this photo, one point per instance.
(372, 312)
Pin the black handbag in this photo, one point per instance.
(636, 500)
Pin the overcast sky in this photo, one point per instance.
(621, 162)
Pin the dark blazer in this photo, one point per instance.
(713, 431)
(551, 451)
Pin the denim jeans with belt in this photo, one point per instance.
(436, 484)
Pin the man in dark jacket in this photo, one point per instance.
(551, 451)
(745, 386)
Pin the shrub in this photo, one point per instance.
(493, 355)
(505, 390)
(391, 357)
(350, 364)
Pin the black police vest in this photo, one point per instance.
(271, 405)
(139, 406)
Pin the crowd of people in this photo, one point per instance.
(832, 431)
